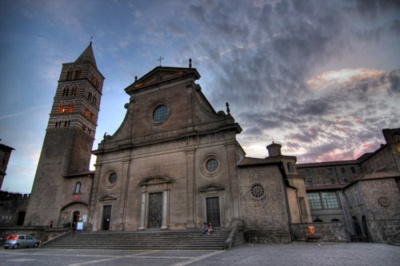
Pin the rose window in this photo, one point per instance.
(257, 191)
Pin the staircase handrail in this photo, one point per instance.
(231, 238)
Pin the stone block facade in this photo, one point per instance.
(5, 154)
(13, 208)
(365, 192)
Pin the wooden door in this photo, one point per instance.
(213, 215)
(106, 217)
(155, 210)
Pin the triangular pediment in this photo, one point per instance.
(209, 188)
(155, 180)
(107, 198)
(160, 75)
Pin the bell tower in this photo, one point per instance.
(68, 141)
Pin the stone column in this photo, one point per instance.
(233, 182)
(164, 225)
(94, 218)
(143, 211)
(190, 189)
(125, 192)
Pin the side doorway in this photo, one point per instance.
(75, 219)
(106, 217)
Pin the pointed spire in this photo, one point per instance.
(87, 56)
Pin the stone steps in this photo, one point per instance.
(182, 240)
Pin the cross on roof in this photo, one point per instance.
(160, 59)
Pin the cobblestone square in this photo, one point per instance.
(350, 254)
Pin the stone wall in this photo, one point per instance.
(327, 173)
(326, 232)
(384, 231)
(12, 208)
(267, 236)
(264, 211)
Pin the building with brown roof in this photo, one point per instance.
(363, 194)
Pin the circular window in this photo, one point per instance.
(160, 113)
(257, 191)
(212, 165)
(112, 178)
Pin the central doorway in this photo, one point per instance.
(155, 210)
(213, 215)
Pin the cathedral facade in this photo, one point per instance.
(173, 164)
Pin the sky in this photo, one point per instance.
(322, 78)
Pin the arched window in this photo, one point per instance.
(61, 108)
(94, 81)
(78, 186)
(78, 74)
(71, 107)
(65, 92)
(70, 74)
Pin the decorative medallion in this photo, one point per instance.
(384, 201)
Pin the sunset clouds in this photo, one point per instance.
(320, 77)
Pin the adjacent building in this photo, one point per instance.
(5, 154)
(364, 194)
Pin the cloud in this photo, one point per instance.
(313, 75)
(268, 72)
(24, 112)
